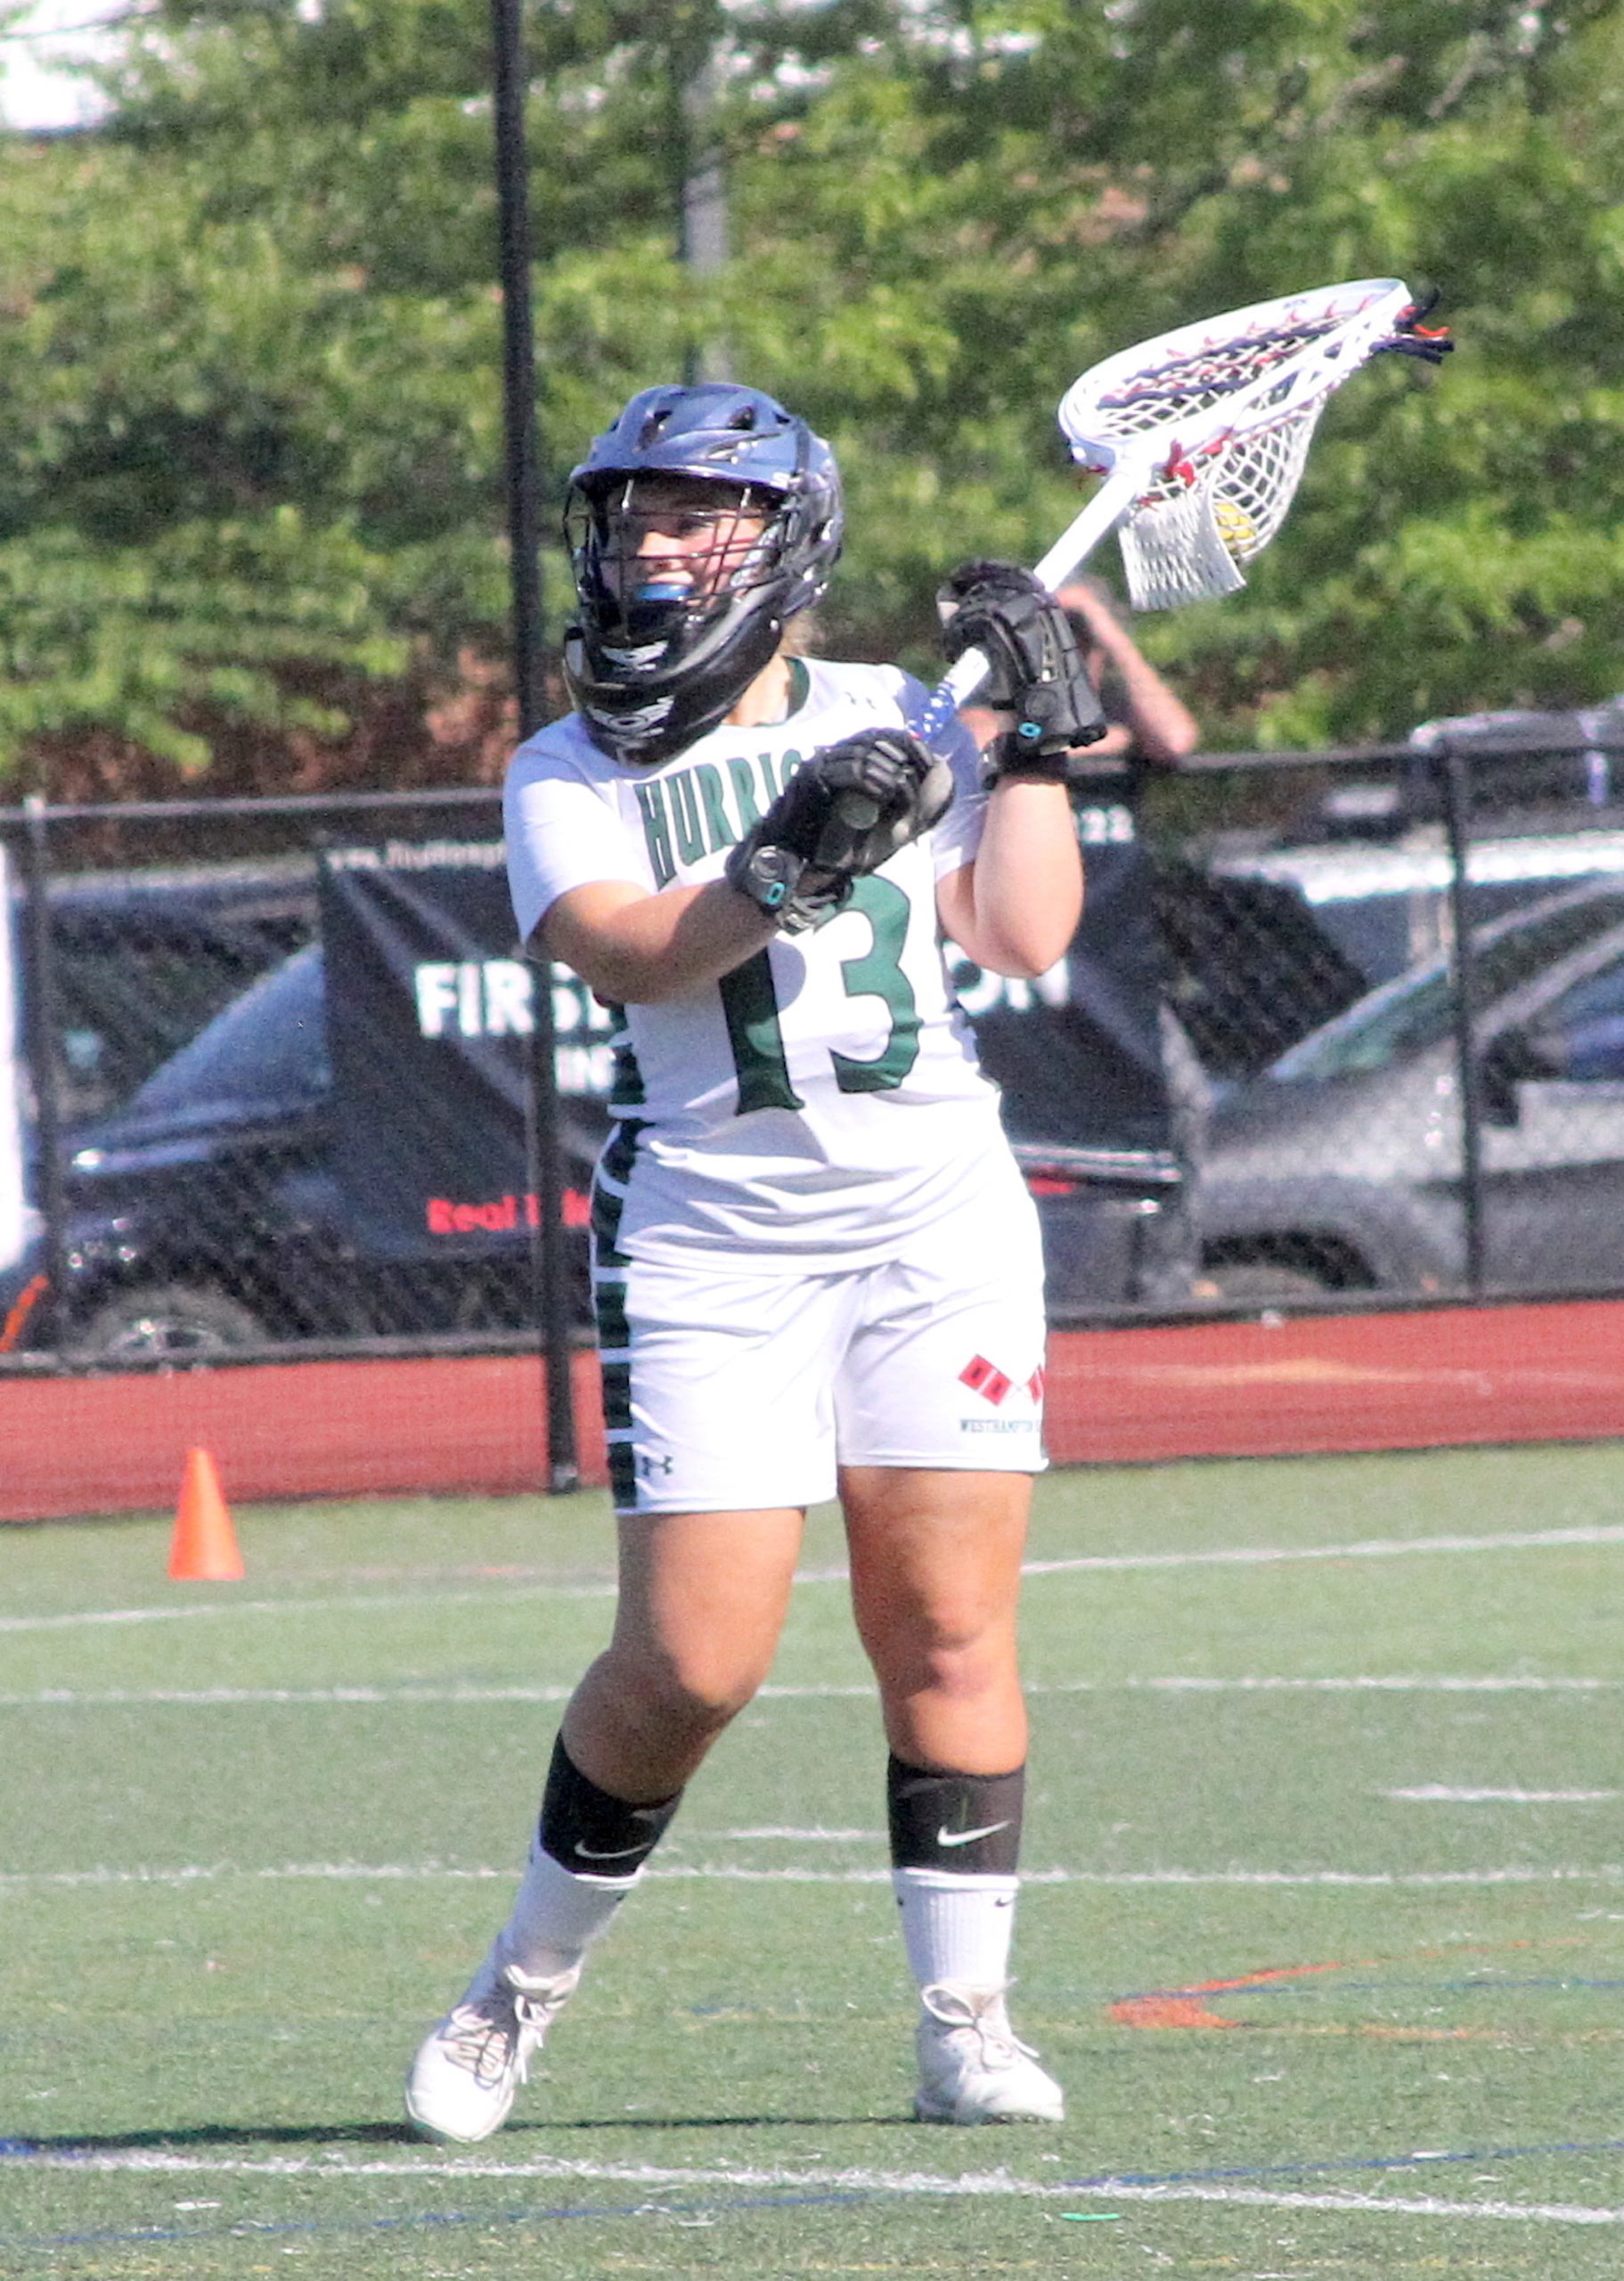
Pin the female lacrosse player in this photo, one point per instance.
(817, 1268)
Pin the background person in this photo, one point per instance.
(1149, 725)
(1151, 728)
(817, 1268)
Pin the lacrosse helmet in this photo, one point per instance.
(653, 662)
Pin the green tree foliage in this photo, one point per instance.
(250, 351)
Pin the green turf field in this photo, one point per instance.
(255, 1835)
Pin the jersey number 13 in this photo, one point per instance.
(750, 1006)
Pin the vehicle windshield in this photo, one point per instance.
(269, 1045)
(1418, 1009)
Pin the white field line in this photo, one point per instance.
(1444, 1793)
(905, 2184)
(1610, 1873)
(1419, 2205)
(345, 1604)
(1370, 1549)
(87, 1698)
(1246, 1556)
(1394, 1683)
(1390, 1682)
(777, 1833)
(45, 1698)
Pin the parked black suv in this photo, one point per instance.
(205, 1213)
(1342, 1167)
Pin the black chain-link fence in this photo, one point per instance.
(1336, 1027)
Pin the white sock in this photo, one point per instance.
(955, 1928)
(557, 1915)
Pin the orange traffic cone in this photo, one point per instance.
(203, 1550)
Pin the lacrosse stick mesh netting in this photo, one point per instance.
(1186, 538)
(1205, 514)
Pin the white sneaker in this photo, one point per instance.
(467, 2074)
(972, 2066)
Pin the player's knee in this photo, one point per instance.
(963, 1671)
(956, 1655)
(697, 1693)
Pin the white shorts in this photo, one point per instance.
(726, 1390)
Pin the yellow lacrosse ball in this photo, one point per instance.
(1236, 528)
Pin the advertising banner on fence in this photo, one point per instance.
(430, 1012)
(13, 1201)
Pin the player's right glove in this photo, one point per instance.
(842, 813)
(1036, 671)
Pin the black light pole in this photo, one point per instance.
(523, 494)
(1455, 773)
(695, 65)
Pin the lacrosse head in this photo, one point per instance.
(1221, 414)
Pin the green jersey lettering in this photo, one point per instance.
(685, 816)
(717, 823)
(657, 832)
(743, 793)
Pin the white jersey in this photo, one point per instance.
(824, 1097)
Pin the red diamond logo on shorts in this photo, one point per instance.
(985, 1378)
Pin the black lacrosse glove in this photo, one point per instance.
(1036, 673)
(842, 813)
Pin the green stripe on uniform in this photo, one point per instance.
(616, 1396)
(615, 1164)
(609, 1306)
(626, 1089)
(623, 1477)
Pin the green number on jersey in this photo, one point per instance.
(878, 974)
(749, 1005)
(750, 1008)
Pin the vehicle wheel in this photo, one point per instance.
(167, 1318)
(1259, 1282)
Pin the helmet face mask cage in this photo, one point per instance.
(722, 548)
(666, 642)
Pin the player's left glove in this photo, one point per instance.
(1037, 669)
(842, 813)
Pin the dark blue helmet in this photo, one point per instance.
(653, 663)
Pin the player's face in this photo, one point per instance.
(670, 538)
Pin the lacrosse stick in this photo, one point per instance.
(1202, 435)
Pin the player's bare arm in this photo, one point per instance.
(638, 949)
(1015, 907)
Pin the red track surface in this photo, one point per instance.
(1419, 1380)
(117, 1444)
(1412, 1381)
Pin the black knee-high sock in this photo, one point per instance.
(591, 1834)
(968, 1825)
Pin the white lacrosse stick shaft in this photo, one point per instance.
(1303, 376)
